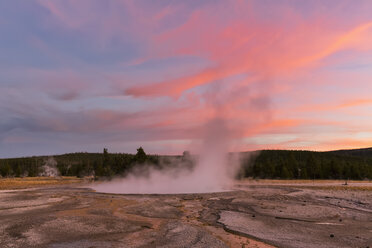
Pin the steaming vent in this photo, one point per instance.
(50, 168)
(213, 171)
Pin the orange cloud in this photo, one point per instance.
(232, 41)
(336, 106)
(337, 144)
(351, 39)
(355, 103)
(240, 48)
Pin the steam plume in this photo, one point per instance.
(50, 168)
(212, 172)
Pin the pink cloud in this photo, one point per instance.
(269, 54)
(261, 50)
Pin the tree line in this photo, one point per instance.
(286, 164)
(78, 164)
(281, 164)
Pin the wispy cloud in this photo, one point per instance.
(121, 73)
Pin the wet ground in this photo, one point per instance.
(254, 215)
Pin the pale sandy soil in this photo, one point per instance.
(256, 214)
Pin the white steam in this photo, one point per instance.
(50, 168)
(214, 170)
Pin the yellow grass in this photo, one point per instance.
(306, 181)
(28, 182)
(353, 185)
(341, 187)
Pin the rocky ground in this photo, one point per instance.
(254, 215)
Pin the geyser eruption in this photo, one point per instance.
(213, 171)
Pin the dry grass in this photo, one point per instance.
(29, 182)
(305, 181)
(353, 185)
(341, 187)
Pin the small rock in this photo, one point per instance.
(253, 215)
(332, 235)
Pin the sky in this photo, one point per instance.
(83, 75)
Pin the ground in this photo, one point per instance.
(255, 214)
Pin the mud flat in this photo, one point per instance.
(256, 214)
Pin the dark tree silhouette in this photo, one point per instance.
(141, 156)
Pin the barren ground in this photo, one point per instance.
(264, 213)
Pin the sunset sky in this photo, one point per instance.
(83, 75)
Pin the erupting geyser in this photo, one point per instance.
(213, 172)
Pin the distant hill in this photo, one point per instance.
(362, 153)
